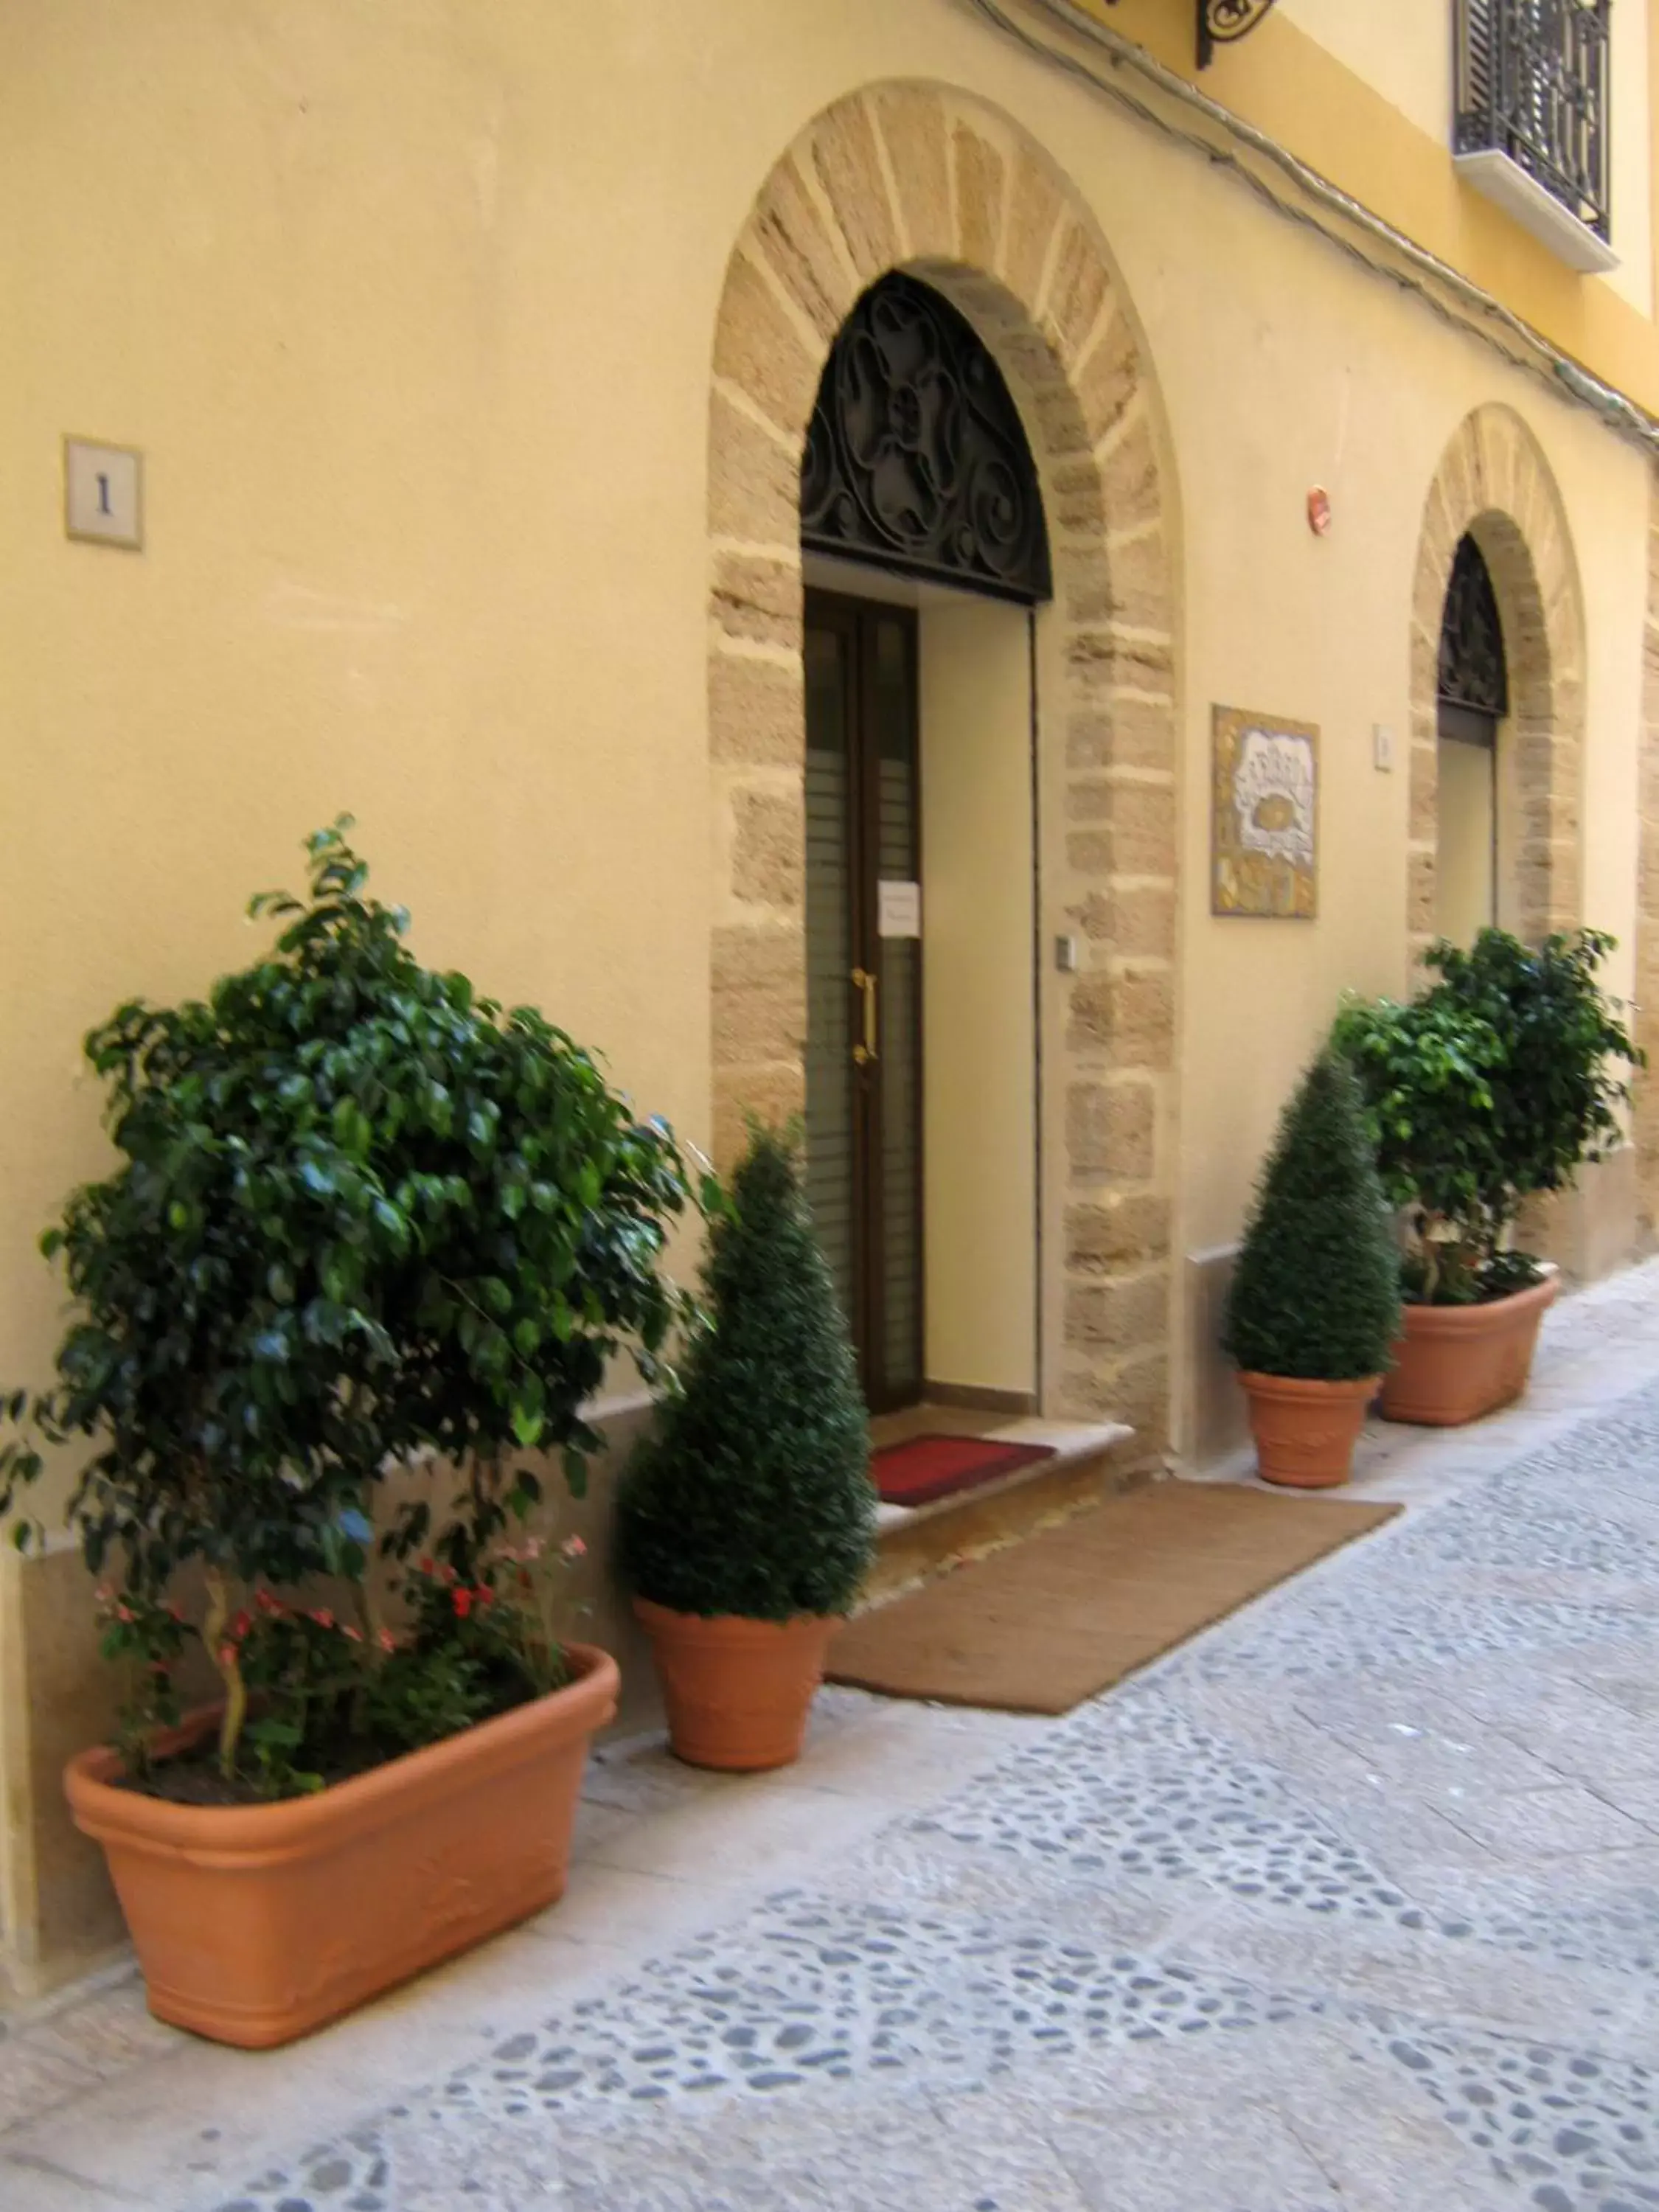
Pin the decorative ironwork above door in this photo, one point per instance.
(1472, 669)
(916, 460)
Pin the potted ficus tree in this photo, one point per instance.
(1315, 1301)
(1495, 1084)
(745, 1522)
(361, 1221)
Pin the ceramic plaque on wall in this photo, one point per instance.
(1264, 848)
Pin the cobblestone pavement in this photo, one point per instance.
(1351, 1903)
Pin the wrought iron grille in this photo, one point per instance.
(1473, 674)
(1532, 82)
(916, 458)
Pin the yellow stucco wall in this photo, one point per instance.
(411, 312)
(1404, 51)
(1325, 79)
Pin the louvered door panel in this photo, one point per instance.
(863, 1106)
(898, 856)
(831, 1102)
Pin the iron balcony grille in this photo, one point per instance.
(1532, 82)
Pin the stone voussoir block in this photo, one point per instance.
(1077, 290)
(1110, 379)
(1128, 1016)
(1108, 1234)
(1126, 730)
(1128, 473)
(1111, 1130)
(1420, 893)
(1120, 1316)
(1139, 567)
(754, 480)
(758, 597)
(847, 164)
(758, 347)
(796, 242)
(1034, 208)
(756, 710)
(1142, 828)
(912, 122)
(1137, 921)
(982, 175)
(769, 851)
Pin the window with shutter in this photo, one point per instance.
(1532, 87)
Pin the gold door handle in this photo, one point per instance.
(864, 979)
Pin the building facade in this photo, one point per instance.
(946, 567)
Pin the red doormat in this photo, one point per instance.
(927, 1467)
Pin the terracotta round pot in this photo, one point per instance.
(254, 1923)
(1453, 1363)
(1305, 1432)
(738, 1691)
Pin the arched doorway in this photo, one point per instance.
(1472, 838)
(931, 180)
(920, 510)
(1493, 493)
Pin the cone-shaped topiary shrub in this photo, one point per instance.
(754, 1496)
(1315, 1294)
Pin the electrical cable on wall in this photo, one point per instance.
(1492, 324)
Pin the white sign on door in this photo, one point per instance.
(898, 912)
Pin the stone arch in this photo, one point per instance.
(1494, 483)
(927, 178)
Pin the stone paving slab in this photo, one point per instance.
(1353, 1903)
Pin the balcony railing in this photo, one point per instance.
(1532, 83)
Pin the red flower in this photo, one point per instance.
(266, 1603)
(322, 1617)
(426, 1566)
(241, 1625)
(462, 1601)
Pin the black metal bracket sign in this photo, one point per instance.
(1220, 22)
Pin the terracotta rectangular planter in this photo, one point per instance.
(254, 1923)
(1453, 1363)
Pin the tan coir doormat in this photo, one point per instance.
(1038, 1627)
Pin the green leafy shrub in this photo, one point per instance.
(1495, 1083)
(362, 1219)
(754, 1496)
(1316, 1290)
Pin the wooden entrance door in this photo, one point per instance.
(864, 979)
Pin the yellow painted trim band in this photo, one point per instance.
(1284, 84)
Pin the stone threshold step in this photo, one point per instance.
(1070, 1443)
(914, 1543)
